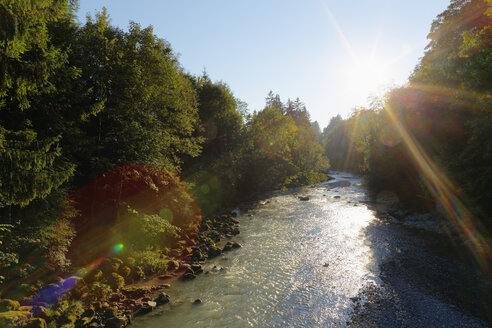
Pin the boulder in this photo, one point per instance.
(197, 301)
(116, 322)
(14, 318)
(161, 299)
(214, 251)
(196, 268)
(8, 305)
(304, 198)
(227, 247)
(36, 323)
(236, 245)
(188, 276)
(144, 309)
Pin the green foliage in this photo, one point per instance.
(149, 231)
(98, 292)
(143, 107)
(95, 124)
(281, 149)
(65, 312)
(28, 59)
(116, 281)
(151, 261)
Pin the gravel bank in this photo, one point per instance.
(425, 282)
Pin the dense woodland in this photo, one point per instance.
(106, 140)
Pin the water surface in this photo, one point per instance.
(300, 264)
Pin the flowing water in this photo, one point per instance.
(300, 265)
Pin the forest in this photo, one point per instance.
(111, 153)
(106, 140)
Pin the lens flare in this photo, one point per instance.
(117, 248)
(444, 192)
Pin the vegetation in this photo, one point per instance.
(108, 148)
(110, 153)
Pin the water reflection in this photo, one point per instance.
(300, 264)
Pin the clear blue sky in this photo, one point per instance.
(330, 53)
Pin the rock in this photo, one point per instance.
(8, 305)
(161, 299)
(326, 264)
(144, 309)
(36, 323)
(197, 301)
(303, 198)
(188, 276)
(116, 322)
(336, 197)
(184, 266)
(214, 251)
(196, 268)
(227, 247)
(14, 318)
(25, 308)
(40, 311)
(89, 313)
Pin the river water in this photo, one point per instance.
(300, 265)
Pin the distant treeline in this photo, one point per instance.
(93, 118)
(430, 141)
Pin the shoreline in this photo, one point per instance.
(426, 278)
(151, 291)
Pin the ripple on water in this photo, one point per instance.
(278, 277)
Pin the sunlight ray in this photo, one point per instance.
(340, 33)
(443, 190)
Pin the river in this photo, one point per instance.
(300, 265)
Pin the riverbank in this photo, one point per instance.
(426, 280)
(142, 297)
(111, 293)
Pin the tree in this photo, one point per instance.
(334, 121)
(273, 100)
(30, 62)
(143, 108)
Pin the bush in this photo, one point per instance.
(116, 282)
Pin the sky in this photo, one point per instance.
(331, 54)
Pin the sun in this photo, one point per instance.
(366, 77)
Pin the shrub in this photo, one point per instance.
(116, 282)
